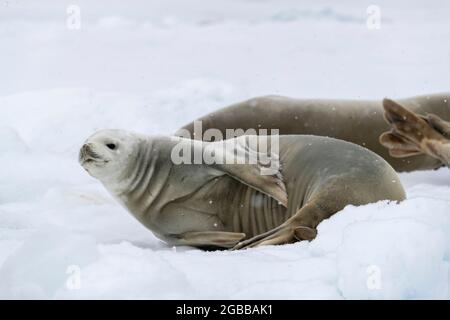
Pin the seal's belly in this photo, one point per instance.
(253, 212)
(224, 204)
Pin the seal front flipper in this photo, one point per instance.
(211, 239)
(259, 170)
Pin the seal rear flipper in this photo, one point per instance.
(443, 127)
(301, 226)
(398, 146)
(305, 233)
(259, 170)
(409, 125)
(220, 239)
(409, 130)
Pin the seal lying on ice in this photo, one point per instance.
(356, 121)
(239, 204)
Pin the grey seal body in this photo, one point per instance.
(234, 205)
(360, 122)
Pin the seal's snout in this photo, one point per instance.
(87, 154)
(85, 149)
(83, 153)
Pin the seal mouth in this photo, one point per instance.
(92, 160)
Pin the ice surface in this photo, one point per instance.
(155, 65)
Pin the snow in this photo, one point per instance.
(155, 65)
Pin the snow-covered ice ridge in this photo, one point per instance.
(155, 65)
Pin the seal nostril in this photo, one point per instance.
(86, 149)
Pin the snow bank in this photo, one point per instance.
(151, 69)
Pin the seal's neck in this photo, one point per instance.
(144, 177)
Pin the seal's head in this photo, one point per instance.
(107, 153)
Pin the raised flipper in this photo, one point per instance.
(301, 226)
(413, 134)
(211, 239)
(443, 127)
(263, 174)
(398, 146)
(246, 159)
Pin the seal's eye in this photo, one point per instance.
(111, 146)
